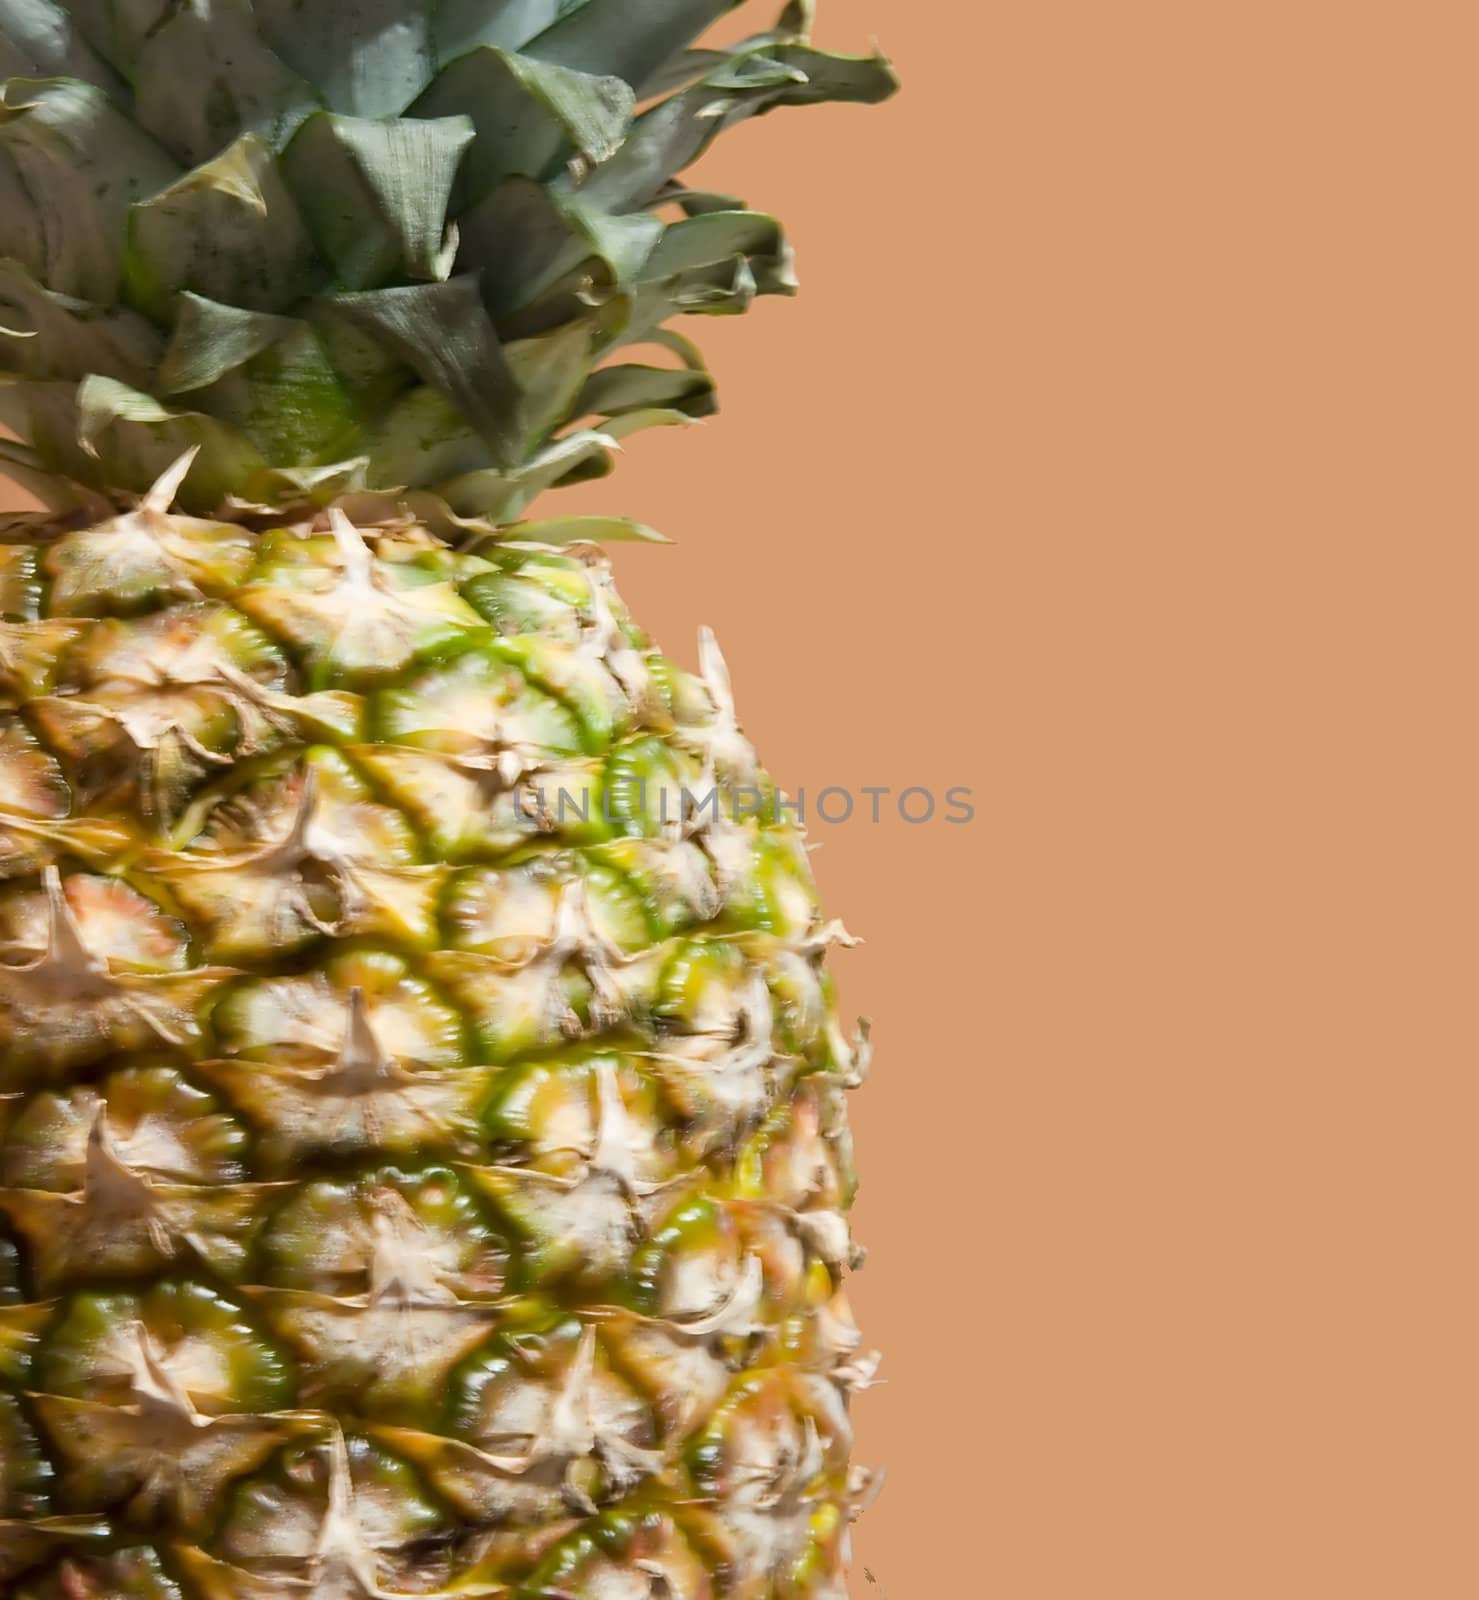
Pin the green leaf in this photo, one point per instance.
(204, 78)
(322, 484)
(266, 375)
(792, 27)
(24, 403)
(550, 371)
(71, 165)
(107, 434)
(366, 58)
(421, 439)
(754, 71)
(366, 369)
(613, 391)
(462, 25)
(211, 339)
(102, 401)
(117, 28)
(631, 41)
(228, 230)
(529, 114)
(25, 468)
(525, 239)
(443, 331)
(678, 130)
(502, 494)
(687, 67)
(623, 245)
(584, 530)
(630, 422)
(39, 40)
(698, 202)
(725, 288)
(714, 236)
(824, 76)
(713, 263)
(135, 439)
(377, 193)
(292, 403)
(70, 338)
(798, 17)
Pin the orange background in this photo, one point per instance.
(1118, 461)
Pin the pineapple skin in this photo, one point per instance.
(423, 1157)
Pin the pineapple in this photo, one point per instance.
(423, 1165)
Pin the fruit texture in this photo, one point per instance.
(423, 1163)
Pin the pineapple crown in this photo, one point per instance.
(385, 249)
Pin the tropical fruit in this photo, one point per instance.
(423, 1162)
